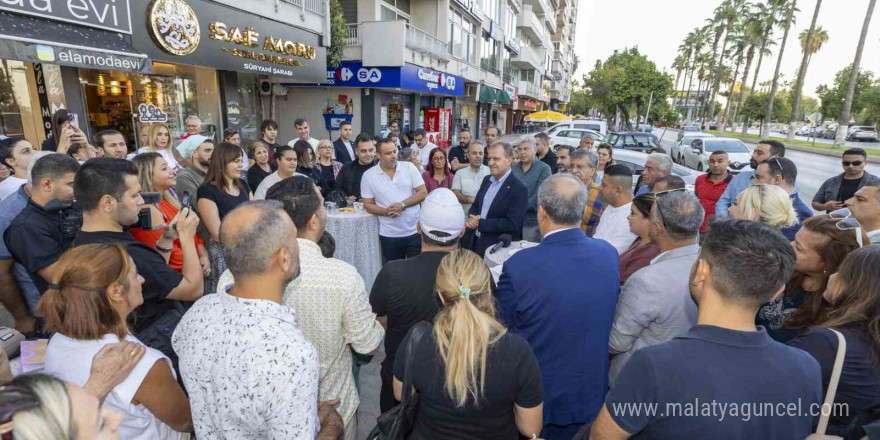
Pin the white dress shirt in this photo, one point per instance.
(334, 314)
(250, 372)
(376, 185)
(614, 227)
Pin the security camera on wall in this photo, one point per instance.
(265, 87)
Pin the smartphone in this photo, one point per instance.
(72, 119)
(185, 201)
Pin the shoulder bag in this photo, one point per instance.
(396, 423)
(828, 406)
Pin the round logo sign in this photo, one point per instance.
(174, 26)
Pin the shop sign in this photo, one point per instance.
(151, 113)
(43, 97)
(111, 15)
(530, 104)
(410, 77)
(511, 92)
(68, 56)
(203, 33)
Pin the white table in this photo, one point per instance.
(357, 242)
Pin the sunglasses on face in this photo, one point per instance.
(854, 163)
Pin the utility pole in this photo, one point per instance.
(650, 100)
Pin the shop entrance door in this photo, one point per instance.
(110, 107)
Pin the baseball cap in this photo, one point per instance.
(190, 144)
(441, 212)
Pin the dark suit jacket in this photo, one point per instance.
(505, 216)
(342, 152)
(545, 296)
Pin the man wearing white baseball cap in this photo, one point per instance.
(403, 293)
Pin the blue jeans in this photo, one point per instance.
(399, 248)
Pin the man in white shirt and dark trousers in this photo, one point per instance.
(617, 191)
(250, 372)
(329, 296)
(392, 191)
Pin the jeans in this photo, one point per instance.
(399, 248)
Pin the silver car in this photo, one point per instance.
(635, 161)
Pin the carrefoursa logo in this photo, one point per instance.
(173, 26)
(437, 79)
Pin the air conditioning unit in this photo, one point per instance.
(265, 87)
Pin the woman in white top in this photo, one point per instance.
(159, 141)
(94, 289)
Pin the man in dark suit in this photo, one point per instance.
(544, 296)
(342, 147)
(501, 203)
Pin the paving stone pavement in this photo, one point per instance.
(370, 383)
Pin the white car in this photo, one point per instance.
(635, 160)
(697, 156)
(598, 125)
(677, 150)
(572, 136)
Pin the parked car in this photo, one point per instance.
(633, 140)
(830, 132)
(862, 133)
(677, 150)
(635, 161)
(597, 125)
(697, 156)
(686, 129)
(645, 128)
(571, 136)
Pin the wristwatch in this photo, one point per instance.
(403, 204)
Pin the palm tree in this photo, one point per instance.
(752, 33)
(704, 61)
(770, 15)
(765, 131)
(680, 64)
(811, 42)
(853, 76)
(728, 13)
(738, 50)
(695, 40)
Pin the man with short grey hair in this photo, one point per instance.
(655, 303)
(193, 125)
(657, 165)
(584, 165)
(532, 172)
(565, 318)
(246, 324)
(545, 153)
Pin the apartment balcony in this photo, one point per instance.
(550, 19)
(307, 14)
(385, 43)
(528, 58)
(540, 7)
(529, 89)
(532, 26)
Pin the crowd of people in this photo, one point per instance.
(188, 287)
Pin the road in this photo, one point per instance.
(813, 169)
(776, 134)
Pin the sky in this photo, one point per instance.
(658, 27)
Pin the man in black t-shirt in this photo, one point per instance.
(349, 178)
(403, 293)
(269, 132)
(35, 237)
(835, 191)
(458, 154)
(108, 192)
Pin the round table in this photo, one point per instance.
(495, 261)
(357, 242)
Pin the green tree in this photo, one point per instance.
(811, 41)
(833, 97)
(338, 34)
(848, 107)
(870, 114)
(765, 129)
(625, 82)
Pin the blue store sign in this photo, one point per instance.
(409, 77)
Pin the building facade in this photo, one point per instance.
(127, 64)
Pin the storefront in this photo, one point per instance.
(42, 47)
(411, 95)
(513, 97)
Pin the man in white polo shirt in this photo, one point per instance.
(392, 191)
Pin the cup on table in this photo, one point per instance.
(358, 206)
(330, 206)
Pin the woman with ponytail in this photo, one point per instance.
(94, 289)
(474, 379)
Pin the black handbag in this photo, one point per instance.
(396, 423)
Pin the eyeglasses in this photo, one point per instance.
(847, 222)
(854, 163)
(657, 199)
(14, 399)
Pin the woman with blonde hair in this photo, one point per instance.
(155, 175)
(768, 204)
(326, 169)
(159, 141)
(94, 289)
(490, 386)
